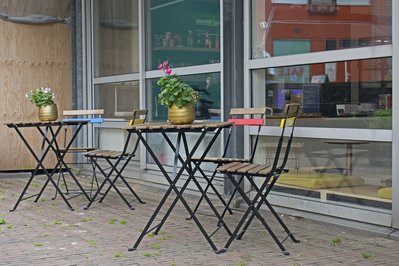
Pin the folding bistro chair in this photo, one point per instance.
(270, 175)
(240, 117)
(114, 159)
(93, 117)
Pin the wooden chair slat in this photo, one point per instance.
(258, 169)
(219, 159)
(83, 112)
(227, 166)
(75, 149)
(248, 111)
(236, 167)
(103, 154)
(252, 168)
(265, 171)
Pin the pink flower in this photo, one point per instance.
(163, 66)
(168, 70)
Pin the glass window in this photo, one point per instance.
(349, 94)
(192, 37)
(116, 37)
(335, 171)
(208, 86)
(117, 99)
(326, 25)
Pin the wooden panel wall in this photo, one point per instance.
(31, 56)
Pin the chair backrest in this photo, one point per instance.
(248, 117)
(139, 117)
(93, 116)
(215, 114)
(289, 121)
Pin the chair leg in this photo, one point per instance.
(107, 179)
(210, 185)
(251, 208)
(111, 182)
(58, 182)
(264, 200)
(93, 178)
(129, 187)
(231, 198)
(119, 174)
(60, 174)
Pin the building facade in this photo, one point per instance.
(335, 58)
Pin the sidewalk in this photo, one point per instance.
(48, 233)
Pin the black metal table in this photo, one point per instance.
(49, 132)
(184, 158)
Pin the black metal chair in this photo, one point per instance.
(93, 116)
(114, 159)
(241, 117)
(270, 174)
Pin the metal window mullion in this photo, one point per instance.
(117, 78)
(142, 80)
(395, 115)
(383, 135)
(247, 81)
(323, 57)
(189, 70)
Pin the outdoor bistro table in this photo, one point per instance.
(349, 151)
(203, 128)
(49, 131)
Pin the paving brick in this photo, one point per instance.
(48, 233)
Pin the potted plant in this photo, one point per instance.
(177, 95)
(44, 99)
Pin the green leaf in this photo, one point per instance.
(91, 243)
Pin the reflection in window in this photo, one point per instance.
(208, 86)
(117, 99)
(321, 169)
(353, 24)
(192, 37)
(350, 94)
(116, 43)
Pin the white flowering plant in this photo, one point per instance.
(41, 97)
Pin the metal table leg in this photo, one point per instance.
(173, 181)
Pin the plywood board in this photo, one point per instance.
(32, 56)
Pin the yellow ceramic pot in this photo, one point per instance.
(48, 113)
(180, 116)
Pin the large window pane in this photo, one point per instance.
(350, 94)
(116, 37)
(184, 32)
(323, 170)
(208, 86)
(323, 25)
(117, 99)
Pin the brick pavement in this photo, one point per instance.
(48, 233)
